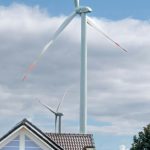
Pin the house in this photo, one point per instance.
(26, 136)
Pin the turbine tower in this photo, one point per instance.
(81, 11)
(83, 69)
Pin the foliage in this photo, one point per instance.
(142, 141)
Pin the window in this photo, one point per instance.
(12, 145)
(31, 145)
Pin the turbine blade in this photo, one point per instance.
(65, 93)
(96, 27)
(47, 107)
(55, 122)
(52, 40)
(76, 3)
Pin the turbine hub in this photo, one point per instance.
(81, 10)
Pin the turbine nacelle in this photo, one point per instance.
(81, 10)
(59, 114)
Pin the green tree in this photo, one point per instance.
(142, 141)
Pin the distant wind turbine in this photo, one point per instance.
(57, 114)
(81, 11)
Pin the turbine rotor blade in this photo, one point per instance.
(55, 36)
(47, 107)
(97, 28)
(65, 93)
(76, 3)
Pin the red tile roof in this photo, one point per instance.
(72, 141)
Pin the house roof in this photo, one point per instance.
(73, 141)
(55, 140)
(36, 131)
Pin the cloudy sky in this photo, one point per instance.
(118, 82)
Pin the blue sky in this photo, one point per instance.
(114, 9)
(116, 16)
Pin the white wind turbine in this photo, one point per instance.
(58, 115)
(81, 11)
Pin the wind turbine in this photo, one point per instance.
(81, 11)
(58, 115)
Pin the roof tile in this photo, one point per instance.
(72, 141)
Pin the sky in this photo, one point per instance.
(118, 82)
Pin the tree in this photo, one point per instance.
(142, 141)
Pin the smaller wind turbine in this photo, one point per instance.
(58, 115)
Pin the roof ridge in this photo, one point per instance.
(68, 133)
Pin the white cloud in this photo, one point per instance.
(123, 147)
(118, 82)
